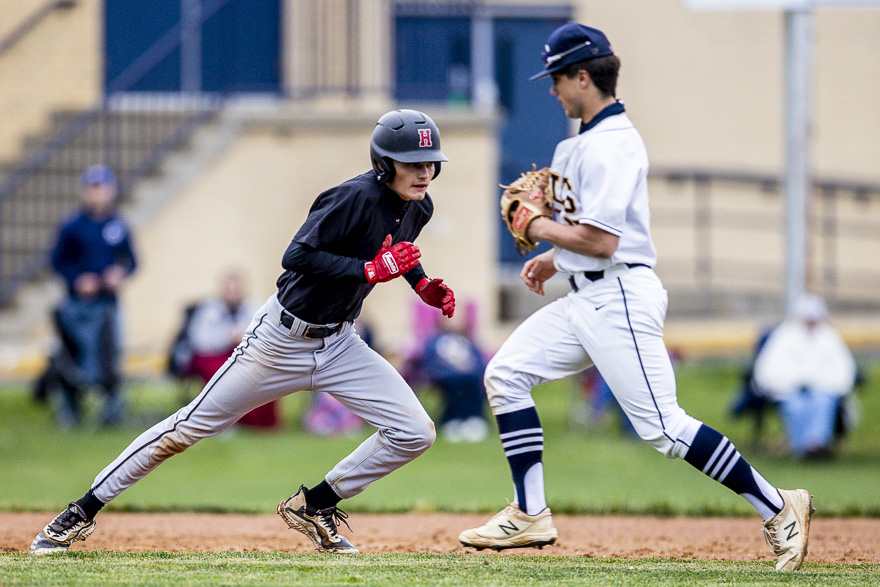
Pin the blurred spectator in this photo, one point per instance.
(597, 404)
(211, 331)
(217, 325)
(94, 255)
(449, 359)
(326, 416)
(806, 369)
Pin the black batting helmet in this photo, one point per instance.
(408, 136)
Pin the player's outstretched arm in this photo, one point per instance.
(537, 270)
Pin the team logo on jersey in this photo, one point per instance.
(563, 195)
(425, 137)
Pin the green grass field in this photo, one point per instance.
(592, 470)
(89, 568)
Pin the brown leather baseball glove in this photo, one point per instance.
(527, 198)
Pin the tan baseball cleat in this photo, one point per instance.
(512, 528)
(788, 531)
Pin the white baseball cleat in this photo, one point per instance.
(788, 531)
(67, 527)
(512, 528)
(318, 525)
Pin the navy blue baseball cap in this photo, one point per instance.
(97, 175)
(570, 43)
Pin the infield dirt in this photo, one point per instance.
(832, 540)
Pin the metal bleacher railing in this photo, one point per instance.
(130, 134)
(723, 231)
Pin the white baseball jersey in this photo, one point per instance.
(600, 178)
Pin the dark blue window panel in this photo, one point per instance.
(433, 56)
(240, 43)
(131, 28)
(534, 121)
(241, 48)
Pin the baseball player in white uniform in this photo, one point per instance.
(613, 316)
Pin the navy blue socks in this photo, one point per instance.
(713, 454)
(523, 440)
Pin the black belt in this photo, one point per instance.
(597, 275)
(310, 331)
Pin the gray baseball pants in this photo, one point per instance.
(271, 362)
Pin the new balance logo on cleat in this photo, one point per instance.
(788, 532)
(512, 528)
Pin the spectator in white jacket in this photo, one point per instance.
(807, 369)
(217, 326)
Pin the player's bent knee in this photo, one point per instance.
(501, 393)
(428, 435)
(493, 394)
(492, 380)
(663, 445)
(673, 440)
(416, 439)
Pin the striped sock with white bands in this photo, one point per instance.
(728, 458)
(714, 454)
(523, 441)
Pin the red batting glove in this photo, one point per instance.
(436, 293)
(391, 261)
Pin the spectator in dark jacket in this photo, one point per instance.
(449, 359)
(94, 256)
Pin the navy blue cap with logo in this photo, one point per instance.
(570, 43)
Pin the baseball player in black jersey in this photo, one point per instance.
(357, 234)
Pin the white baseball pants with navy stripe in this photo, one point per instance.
(270, 363)
(615, 323)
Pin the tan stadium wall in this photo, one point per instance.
(57, 66)
(706, 88)
(246, 207)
